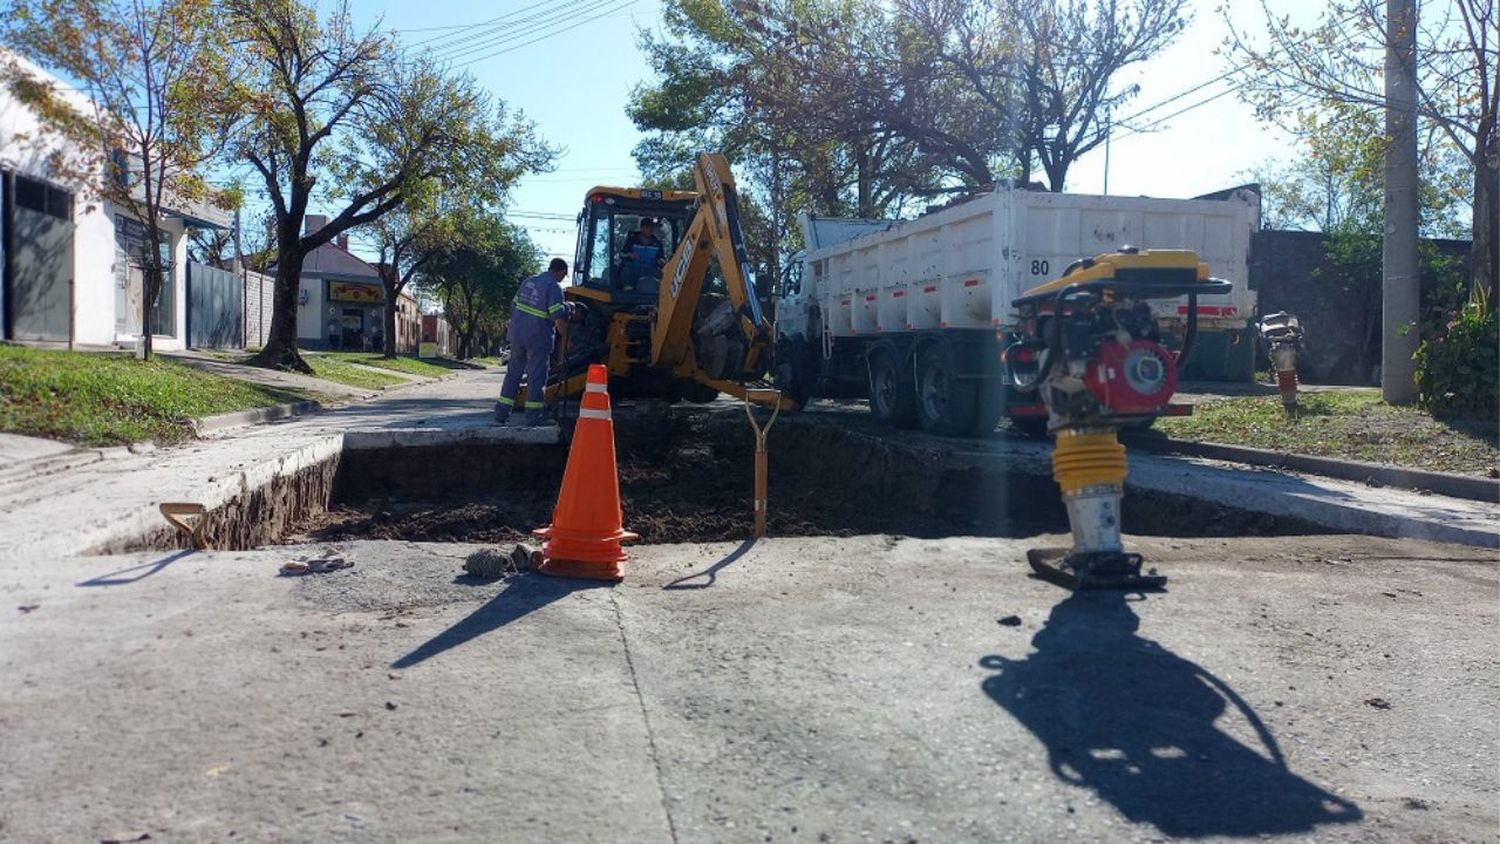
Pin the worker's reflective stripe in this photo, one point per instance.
(535, 405)
(555, 309)
(527, 309)
(590, 413)
(507, 401)
(595, 388)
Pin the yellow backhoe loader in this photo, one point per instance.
(655, 315)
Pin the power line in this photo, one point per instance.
(1135, 130)
(518, 29)
(1179, 95)
(606, 13)
(498, 22)
(586, 10)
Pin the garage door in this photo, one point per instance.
(42, 263)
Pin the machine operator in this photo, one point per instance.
(535, 312)
(641, 256)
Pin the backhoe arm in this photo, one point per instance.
(714, 232)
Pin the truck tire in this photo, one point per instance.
(796, 369)
(893, 400)
(945, 402)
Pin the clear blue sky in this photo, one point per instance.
(571, 64)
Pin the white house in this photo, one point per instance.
(66, 266)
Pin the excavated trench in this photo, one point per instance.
(686, 475)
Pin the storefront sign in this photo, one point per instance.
(349, 291)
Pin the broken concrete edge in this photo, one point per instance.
(144, 527)
(136, 528)
(1417, 480)
(254, 416)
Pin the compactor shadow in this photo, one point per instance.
(140, 572)
(1123, 716)
(521, 597)
(712, 572)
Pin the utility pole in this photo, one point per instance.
(1400, 284)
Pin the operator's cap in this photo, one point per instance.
(648, 221)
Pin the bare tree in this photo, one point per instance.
(1294, 69)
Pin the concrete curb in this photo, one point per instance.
(255, 416)
(1441, 483)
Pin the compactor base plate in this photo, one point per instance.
(1093, 571)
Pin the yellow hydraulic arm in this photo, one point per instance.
(713, 232)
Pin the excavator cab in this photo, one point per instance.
(678, 321)
(602, 263)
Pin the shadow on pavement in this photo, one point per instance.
(140, 572)
(523, 596)
(1123, 716)
(712, 572)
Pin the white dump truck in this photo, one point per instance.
(915, 314)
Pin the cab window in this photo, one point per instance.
(597, 273)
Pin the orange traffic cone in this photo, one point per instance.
(587, 527)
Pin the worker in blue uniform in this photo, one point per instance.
(535, 312)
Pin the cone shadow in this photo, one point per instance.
(523, 596)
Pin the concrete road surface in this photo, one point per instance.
(862, 689)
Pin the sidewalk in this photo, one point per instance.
(271, 377)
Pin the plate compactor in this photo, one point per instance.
(1092, 346)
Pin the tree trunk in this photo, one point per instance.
(863, 177)
(1486, 230)
(392, 302)
(152, 280)
(1057, 173)
(280, 351)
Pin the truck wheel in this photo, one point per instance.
(795, 369)
(892, 399)
(945, 403)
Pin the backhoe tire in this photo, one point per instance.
(945, 402)
(893, 399)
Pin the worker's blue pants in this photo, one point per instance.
(531, 362)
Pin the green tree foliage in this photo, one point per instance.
(344, 116)
(146, 122)
(868, 108)
(1337, 180)
(1339, 61)
(476, 275)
